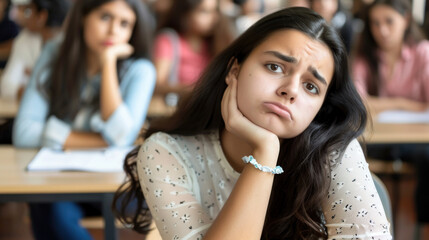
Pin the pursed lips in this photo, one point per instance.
(107, 43)
(279, 109)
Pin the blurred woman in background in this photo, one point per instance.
(390, 71)
(90, 89)
(184, 46)
(40, 20)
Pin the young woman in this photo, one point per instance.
(390, 64)
(91, 88)
(280, 99)
(40, 20)
(390, 71)
(185, 45)
(333, 13)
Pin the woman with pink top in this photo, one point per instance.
(391, 71)
(392, 58)
(184, 45)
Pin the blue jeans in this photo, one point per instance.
(60, 220)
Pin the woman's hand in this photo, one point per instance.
(115, 52)
(247, 205)
(110, 94)
(237, 124)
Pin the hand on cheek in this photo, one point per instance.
(238, 124)
(117, 51)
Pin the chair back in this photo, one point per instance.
(385, 199)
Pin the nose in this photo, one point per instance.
(289, 88)
(113, 27)
(384, 30)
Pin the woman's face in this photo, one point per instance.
(27, 16)
(326, 8)
(283, 82)
(110, 24)
(387, 27)
(203, 18)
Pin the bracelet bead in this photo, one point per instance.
(250, 159)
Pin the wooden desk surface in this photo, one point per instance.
(14, 179)
(8, 108)
(397, 133)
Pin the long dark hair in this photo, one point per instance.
(294, 210)
(69, 65)
(178, 13)
(176, 19)
(57, 10)
(367, 46)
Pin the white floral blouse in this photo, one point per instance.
(187, 179)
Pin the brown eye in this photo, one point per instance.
(311, 88)
(105, 17)
(274, 67)
(125, 24)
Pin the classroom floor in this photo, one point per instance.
(14, 224)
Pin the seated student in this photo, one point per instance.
(338, 18)
(391, 71)
(250, 11)
(8, 31)
(297, 3)
(91, 88)
(184, 46)
(265, 147)
(40, 21)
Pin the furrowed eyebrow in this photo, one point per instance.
(290, 59)
(282, 56)
(317, 75)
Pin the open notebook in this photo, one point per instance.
(94, 160)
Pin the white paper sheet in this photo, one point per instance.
(399, 116)
(96, 160)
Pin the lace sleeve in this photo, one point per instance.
(169, 191)
(353, 209)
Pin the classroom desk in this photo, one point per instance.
(17, 184)
(383, 133)
(8, 108)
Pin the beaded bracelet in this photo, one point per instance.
(250, 159)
